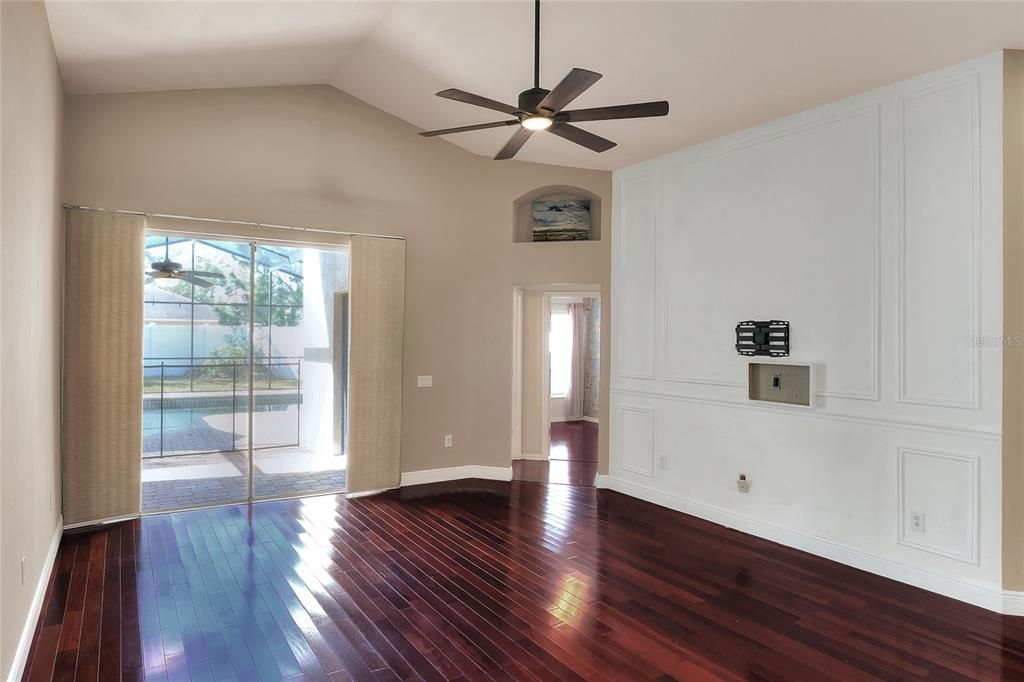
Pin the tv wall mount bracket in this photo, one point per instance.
(763, 337)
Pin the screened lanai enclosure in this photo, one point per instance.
(245, 361)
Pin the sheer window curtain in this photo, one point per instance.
(574, 398)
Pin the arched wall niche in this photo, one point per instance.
(522, 224)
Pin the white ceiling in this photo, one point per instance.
(723, 66)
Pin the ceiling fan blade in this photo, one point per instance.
(514, 144)
(477, 100)
(466, 129)
(581, 137)
(642, 110)
(199, 273)
(198, 281)
(159, 274)
(571, 87)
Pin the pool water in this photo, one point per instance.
(178, 418)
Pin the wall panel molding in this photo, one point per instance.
(968, 86)
(633, 354)
(666, 342)
(874, 225)
(818, 413)
(636, 449)
(968, 549)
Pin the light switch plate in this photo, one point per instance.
(425, 381)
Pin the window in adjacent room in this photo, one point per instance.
(560, 347)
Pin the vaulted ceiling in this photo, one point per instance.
(723, 66)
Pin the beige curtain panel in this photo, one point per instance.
(102, 402)
(377, 310)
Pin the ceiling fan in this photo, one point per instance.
(168, 269)
(540, 109)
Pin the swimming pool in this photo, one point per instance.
(181, 430)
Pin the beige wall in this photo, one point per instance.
(316, 157)
(30, 245)
(1013, 319)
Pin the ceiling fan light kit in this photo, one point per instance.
(536, 122)
(166, 269)
(541, 109)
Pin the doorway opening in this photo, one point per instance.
(556, 384)
(245, 371)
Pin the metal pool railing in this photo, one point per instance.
(214, 384)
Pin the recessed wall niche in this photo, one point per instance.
(523, 218)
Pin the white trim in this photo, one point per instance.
(566, 419)
(986, 596)
(973, 82)
(983, 432)
(35, 609)
(545, 372)
(662, 341)
(972, 555)
(533, 457)
(592, 420)
(517, 373)
(456, 473)
(649, 471)
(1013, 603)
(603, 481)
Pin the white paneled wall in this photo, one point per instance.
(874, 225)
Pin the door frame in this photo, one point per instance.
(549, 291)
(254, 244)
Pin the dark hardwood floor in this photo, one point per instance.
(479, 580)
(561, 472)
(572, 459)
(575, 441)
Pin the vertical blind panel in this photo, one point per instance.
(102, 403)
(377, 310)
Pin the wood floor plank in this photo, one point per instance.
(479, 580)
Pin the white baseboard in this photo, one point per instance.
(592, 420)
(1013, 603)
(987, 596)
(603, 481)
(36, 607)
(456, 473)
(532, 457)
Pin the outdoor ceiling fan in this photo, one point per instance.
(168, 269)
(541, 109)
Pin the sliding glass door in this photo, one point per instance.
(219, 315)
(298, 428)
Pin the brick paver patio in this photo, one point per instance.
(217, 478)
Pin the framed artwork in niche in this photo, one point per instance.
(559, 220)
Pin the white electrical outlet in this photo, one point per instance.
(917, 521)
(425, 380)
(447, 440)
(663, 462)
(742, 484)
